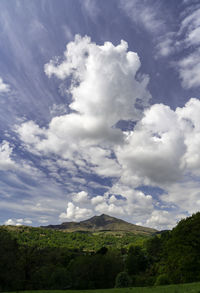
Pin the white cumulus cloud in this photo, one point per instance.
(6, 161)
(160, 219)
(155, 148)
(81, 197)
(18, 222)
(75, 213)
(104, 90)
(4, 87)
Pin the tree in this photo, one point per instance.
(11, 273)
(136, 261)
(122, 280)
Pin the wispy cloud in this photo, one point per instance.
(91, 7)
(189, 66)
(179, 38)
(144, 13)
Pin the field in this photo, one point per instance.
(183, 288)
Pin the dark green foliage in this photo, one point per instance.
(35, 258)
(11, 274)
(154, 248)
(136, 261)
(175, 255)
(97, 271)
(123, 280)
(162, 280)
(103, 250)
(183, 251)
(51, 277)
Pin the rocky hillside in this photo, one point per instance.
(102, 223)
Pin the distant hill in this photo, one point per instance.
(102, 223)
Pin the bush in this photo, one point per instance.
(141, 280)
(162, 280)
(122, 280)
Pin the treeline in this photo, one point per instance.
(41, 237)
(170, 257)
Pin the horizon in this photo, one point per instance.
(78, 222)
(99, 111)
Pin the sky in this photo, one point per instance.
(99, 111)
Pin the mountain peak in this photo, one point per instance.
(104, 216)
(103, 223)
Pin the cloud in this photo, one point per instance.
(185, 41)
(161, 149)
(167, 45)
(132, 205)
(44, 199)
(185, 196)
(81, 197)
(155, 148)
(190, 26)
(189, 67)
(189, 70)
(101, 96)
(9, 222)
(104, 90)
(91, 7)
(160, 219)
(103, 161)
(18, 222)
(31, 191)
(190, 125)
(67, 31)
(163, 146)
(75, 213)
(4, 87)
(145, 13)
(6, 161)
(43, 220)
(58, 110)
(169, 38)
(101, 87)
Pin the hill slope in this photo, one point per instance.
(102, 223)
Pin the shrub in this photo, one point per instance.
(122, 280)
(162, 280)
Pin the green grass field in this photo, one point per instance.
(183, 288)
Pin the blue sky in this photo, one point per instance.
(99, 110)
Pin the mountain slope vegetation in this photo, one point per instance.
(81, 240)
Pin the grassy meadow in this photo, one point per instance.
(180, 288)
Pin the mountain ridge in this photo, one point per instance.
(100, 224)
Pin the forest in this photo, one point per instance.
(35, 258)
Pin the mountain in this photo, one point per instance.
(101, 224)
